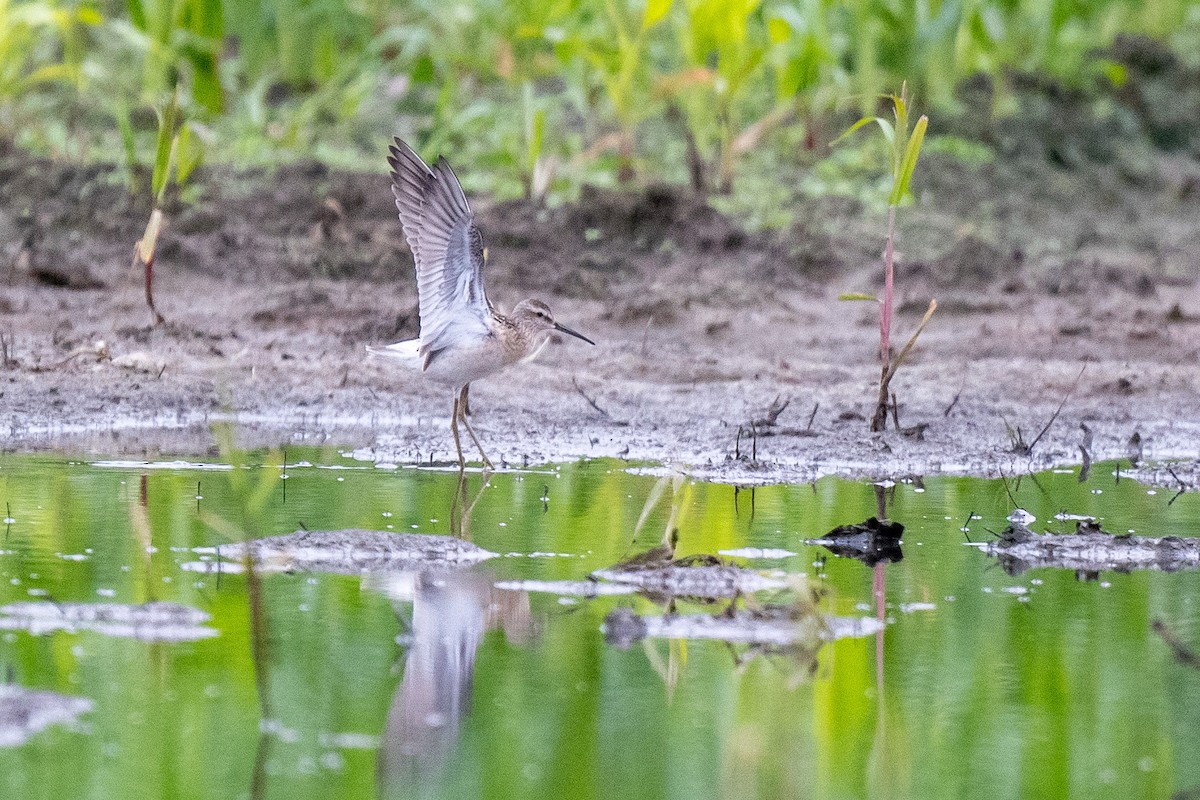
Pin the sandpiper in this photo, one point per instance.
(462, 337)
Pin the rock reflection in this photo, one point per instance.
(871, 541)
(26, 712)
(451, 612)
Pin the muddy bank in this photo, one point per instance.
(663, 392)
(274, 284)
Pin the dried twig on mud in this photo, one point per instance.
(946, 411)
(8, 349)
(1018, 440)
(98, 349)
(590, 401)
(879, 420)
(1183, 653)
(1133, 448)
(1183, 487)
(776, 408)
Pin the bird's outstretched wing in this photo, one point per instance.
(446, 245)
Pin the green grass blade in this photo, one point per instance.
(912, 340)
(856, 126)
(655, 11)
(164, 147)
(909, 164)
(189, 152)
(128, 140)
(137, 13)
(889, 132)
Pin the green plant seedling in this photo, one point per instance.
(178, 151)
(616, 49)
(905, 147)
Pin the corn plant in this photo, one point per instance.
(528, 33)
(615, 45)
(302, 44)
(723, 44)
(905, 147)
(461, 67)
(174, 34)
(178, 151)
(807, 57)
(40, 45)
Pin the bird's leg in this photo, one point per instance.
(462, 404)
(466, 401)
(457, 518)
(462, 462)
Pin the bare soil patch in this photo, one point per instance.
(273, 284)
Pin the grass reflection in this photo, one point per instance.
(441, 685)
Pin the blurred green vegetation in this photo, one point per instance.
(535, 97)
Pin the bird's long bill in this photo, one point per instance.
(576, 334)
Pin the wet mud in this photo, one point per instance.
(1066, 287)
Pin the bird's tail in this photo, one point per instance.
(406, 351)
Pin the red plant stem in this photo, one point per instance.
(879, 592)
(158, 318)
(150, 282)
(885, 311)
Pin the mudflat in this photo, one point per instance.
(1069, 290)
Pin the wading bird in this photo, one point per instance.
(462, 337)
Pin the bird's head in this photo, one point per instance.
(535, 317)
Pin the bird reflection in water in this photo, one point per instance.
(451, 612)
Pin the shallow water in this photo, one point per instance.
(1044, 684)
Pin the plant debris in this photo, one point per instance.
(349, 551)
(1091, 550)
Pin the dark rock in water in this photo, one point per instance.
(873, 526)
(348, 551)
(871, 541)
(150, 622)
(24, 712)
(1092, 550)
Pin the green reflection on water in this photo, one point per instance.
(444, 686)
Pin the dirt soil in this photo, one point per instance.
(1046, 264)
